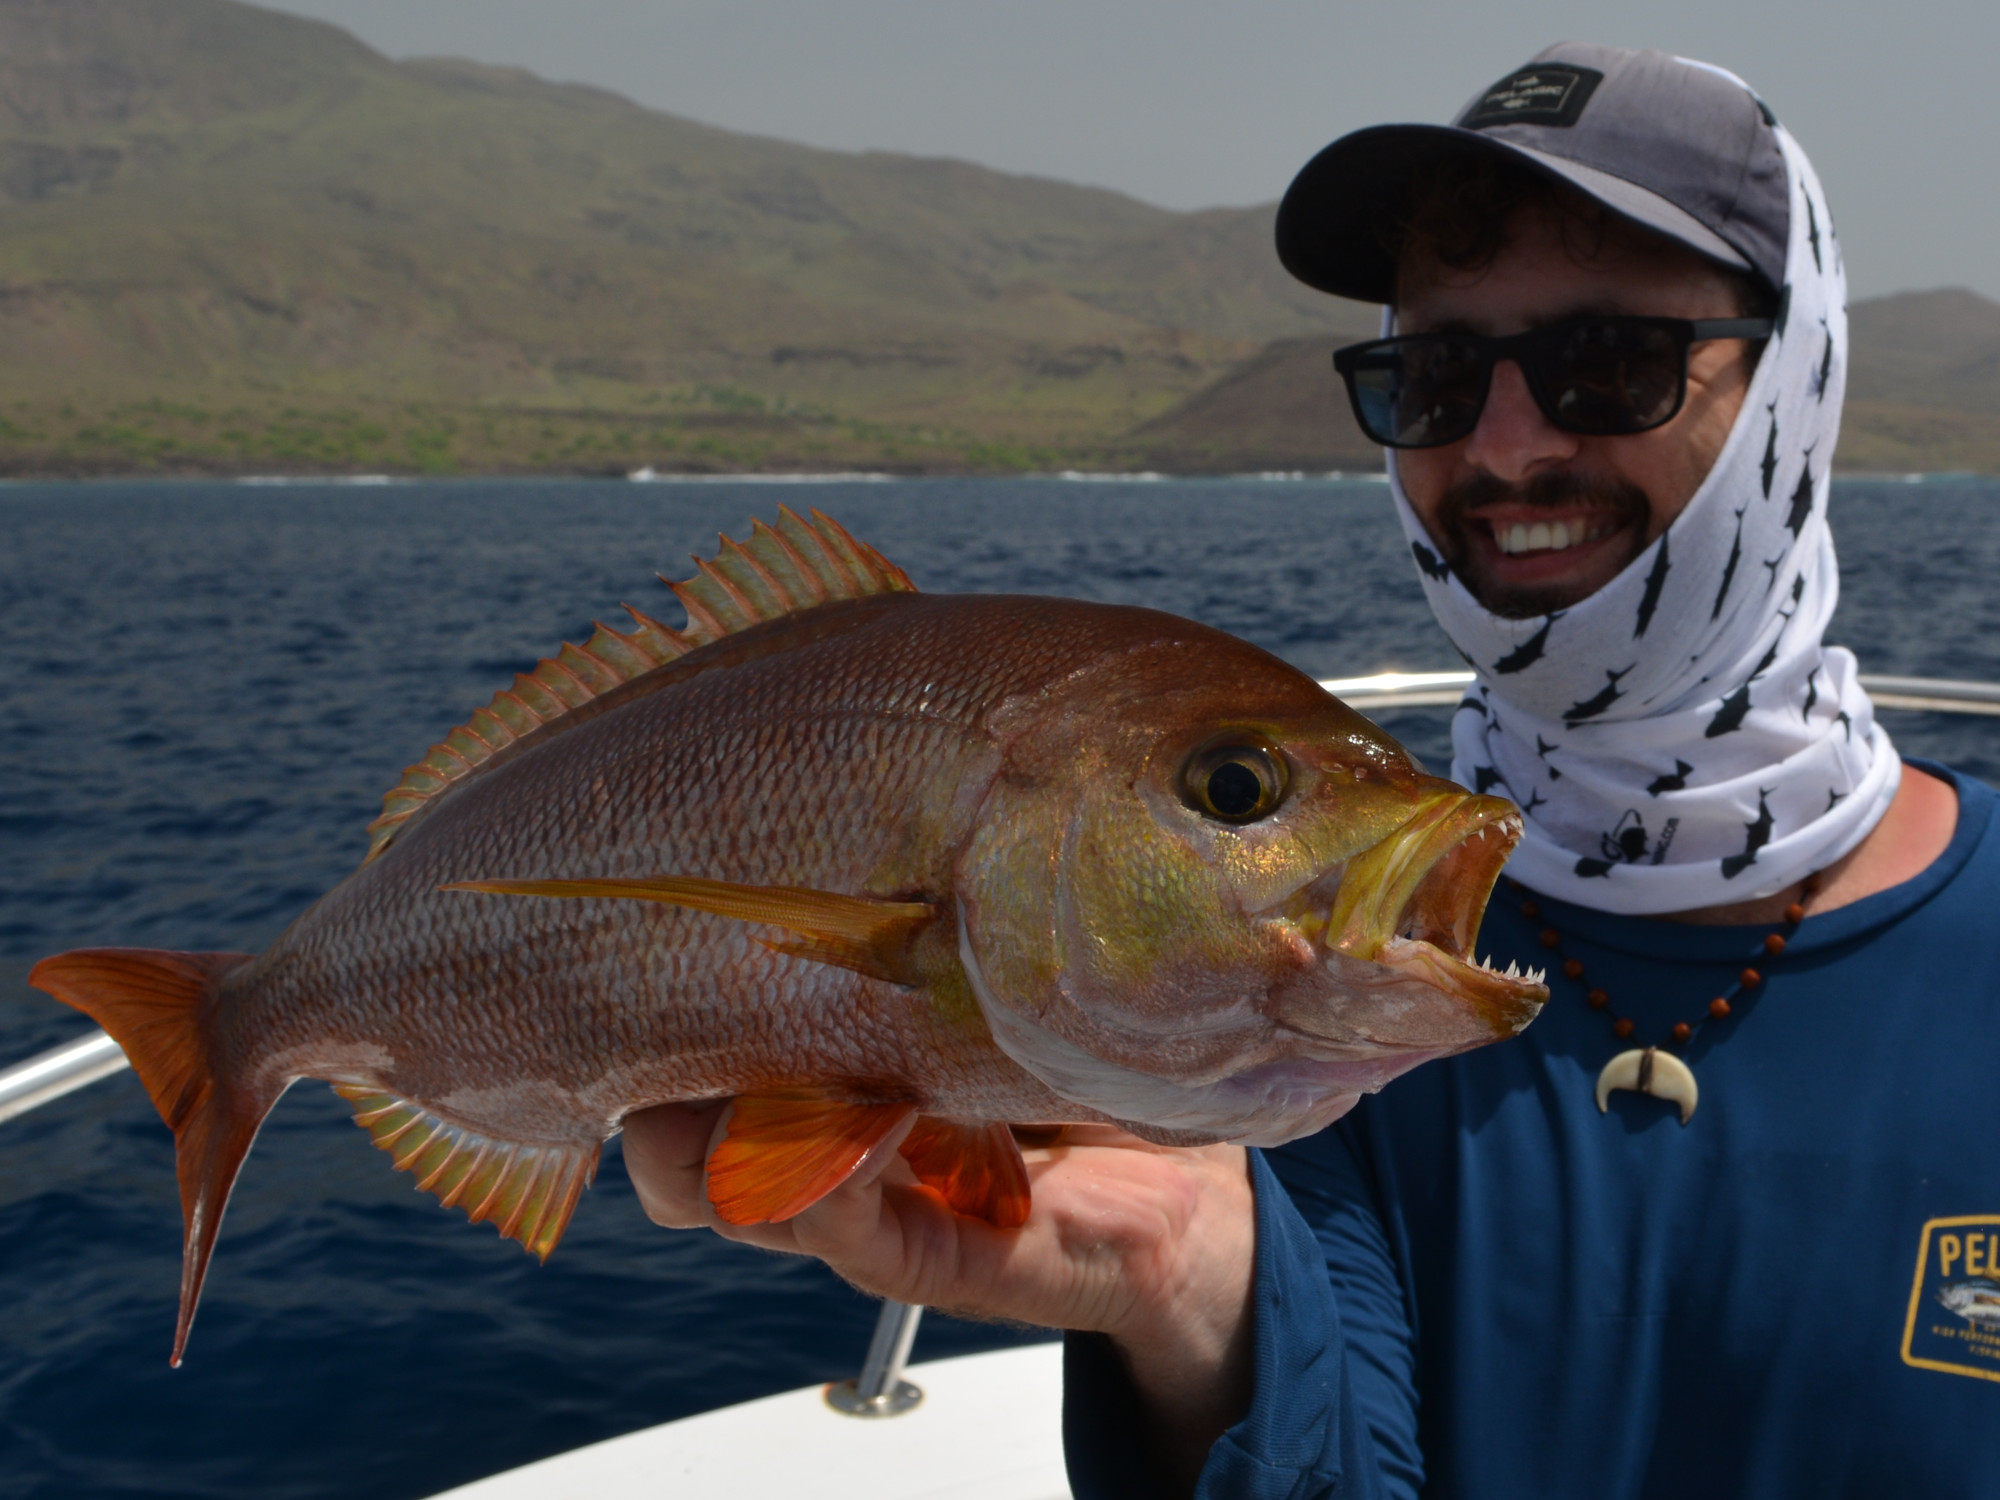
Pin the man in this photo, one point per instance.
(1721, 1221)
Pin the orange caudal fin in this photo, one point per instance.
(152, 1002)
(975, 1165)
(783, 1152)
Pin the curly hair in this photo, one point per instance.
(1460, 211)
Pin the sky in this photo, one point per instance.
(1195, 104)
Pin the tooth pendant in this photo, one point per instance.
(1649, 1071)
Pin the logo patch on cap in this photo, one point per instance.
(1546, 94)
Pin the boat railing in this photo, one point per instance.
(60, 1070)
(880, 1390)
(87, 1058)
(1439, 689)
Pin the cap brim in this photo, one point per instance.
(1337, 220)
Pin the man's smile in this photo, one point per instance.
(1517, 538)
(1527, 549)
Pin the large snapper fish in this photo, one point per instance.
(846, 853)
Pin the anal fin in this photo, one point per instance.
(976, 1166)
(528, 1192)
(783, 1152)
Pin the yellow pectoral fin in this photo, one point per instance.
(864, 933)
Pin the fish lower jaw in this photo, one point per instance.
(1506, 999)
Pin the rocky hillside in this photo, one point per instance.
(232, 239)
(234, 211)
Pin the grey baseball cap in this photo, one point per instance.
(1673, 146)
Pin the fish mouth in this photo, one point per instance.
(1413, 903)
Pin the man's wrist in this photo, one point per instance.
(1188, 1348)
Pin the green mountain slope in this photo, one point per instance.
(233, 239)
(235, 206)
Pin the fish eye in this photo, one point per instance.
(1235, 780)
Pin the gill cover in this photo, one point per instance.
(1129, 924)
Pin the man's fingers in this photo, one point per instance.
(1113, 1217)
(666, 1152)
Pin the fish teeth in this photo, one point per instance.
(1513, 971)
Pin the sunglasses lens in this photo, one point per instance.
(1598, 376)
(1610, 376)
(1418, 393)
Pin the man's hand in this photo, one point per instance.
(1153, 1245)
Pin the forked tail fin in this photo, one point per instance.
(152, 1002)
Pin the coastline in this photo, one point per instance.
(253, 475)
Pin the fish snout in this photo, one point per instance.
(1399, 926)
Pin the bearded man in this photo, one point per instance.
(1722, 1220)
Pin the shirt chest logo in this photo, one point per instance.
(1954, 1321)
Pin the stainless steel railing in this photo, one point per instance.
(880, 1390)
(1441, 689)
(58, 1071)
(61, 1070)
(1935, 694)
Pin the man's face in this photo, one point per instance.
(1533, 518)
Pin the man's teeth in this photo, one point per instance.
(1544, 537)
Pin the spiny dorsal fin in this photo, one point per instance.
(783, 569)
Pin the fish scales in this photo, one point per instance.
(700, 778)
(987, 859)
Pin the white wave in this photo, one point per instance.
(316, 479)
(649, 475)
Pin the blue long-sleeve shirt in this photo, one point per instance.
(1478, 1285)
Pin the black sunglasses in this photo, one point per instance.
(1601, 377)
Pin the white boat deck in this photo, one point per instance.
(989, 1428)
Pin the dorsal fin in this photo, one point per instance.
(795, 565)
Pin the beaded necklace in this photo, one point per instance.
(1654, 1070)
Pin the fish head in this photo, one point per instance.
(1206, 897)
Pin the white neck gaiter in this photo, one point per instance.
(1682, 738)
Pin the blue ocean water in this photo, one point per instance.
(207, 690)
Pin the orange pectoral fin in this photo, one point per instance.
(864, 933)
(977, 1167)
(784, 1152)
